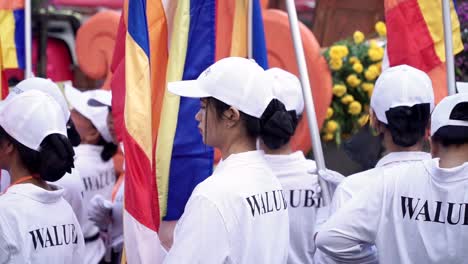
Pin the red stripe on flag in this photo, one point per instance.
(409, 39)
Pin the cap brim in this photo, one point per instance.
(94, 102)
(77, 100)
(187, 89)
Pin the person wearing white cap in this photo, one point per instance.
(295, 173)
(238, 214)
(107, 214)
(401, 104)
(71, 183)
(36, 224)
(416, 212)
(93, 160)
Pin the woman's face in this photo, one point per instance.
(84, 127)
(209, 125)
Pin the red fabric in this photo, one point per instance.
(408, 38)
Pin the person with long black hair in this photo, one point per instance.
(36, 224)
(93, 161)
(238, 214)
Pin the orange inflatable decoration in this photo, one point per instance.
(281, 54)
(95, 42)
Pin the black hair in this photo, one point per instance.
(408, 125)
(276, 126)
(73, 134)
(109, 150)
(454, 135)
(51, 162)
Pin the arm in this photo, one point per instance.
(346, 237)
(200, 235)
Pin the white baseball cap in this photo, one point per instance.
(46, 86)
(401, 85)
(238, 82)
(97, 115)
(441, 115)
(30, 117)
(287, 89)
(100, 98)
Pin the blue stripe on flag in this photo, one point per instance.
(137, 25)
(258, 44)
(19, 37)
(192, 161)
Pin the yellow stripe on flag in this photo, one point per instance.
(170, 107)
(7, 33)
(137, 96)
(239, 31)
(432, 13)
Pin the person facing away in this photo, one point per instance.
(238, 214)
(301, 187)
(36, 224)
(416, 212)
(71, 183)
(93, 161)
(401, 104)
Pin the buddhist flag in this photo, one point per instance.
(12, 33)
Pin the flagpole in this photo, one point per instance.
(308, 99)
(250, 29)
(449, 60)
(27, 39)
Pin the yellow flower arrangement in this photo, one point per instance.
(355, 65)
(358, 37)
(381, 29)
(339, 90)
(353, 80)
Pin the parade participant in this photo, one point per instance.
(71, 183)
(238, 214)
(93, 160)
(401, 104)
(416, 212)
(36, 224)
(301, 187)
(108, 214)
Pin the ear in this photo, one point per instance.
(232, 117)
(434, 148)
(374, 123)
(6, 147)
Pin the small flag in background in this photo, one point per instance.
(12, 33)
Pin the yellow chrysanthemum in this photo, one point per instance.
(357, 67)
(329, 112)
(381, 28)
(372, 72)
(353, 80)
(376, 54)
(354, 60)
(363, 120)
(373, 44)
(328, 137)
(347, 99)
(367, 86)
(331, 126)
(339, 90)
(336, 65)
(355, 108)
(343, 50)
(369, 93)
(335, 52)
(358, 37)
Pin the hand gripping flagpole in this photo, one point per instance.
(450, 64)
(309, 103)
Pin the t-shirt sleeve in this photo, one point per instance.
(8, 247)
(349, 233)
(201, 235)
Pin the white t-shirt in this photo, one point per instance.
(98, 178)
(300, 191)
(73, 191)
(38, 226)
(414, 213)
(238, 215)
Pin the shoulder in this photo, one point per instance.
(360, 180)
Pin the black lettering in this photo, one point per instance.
(466, 215)
(263, 204)
(48, 239)
(407, 203)
(74, 234)
(309, 199)
(268, 203)
(57, 241)
(64, 227)
(284, 200)
(424, 208)
(437, 214)
(291, 196)
(88, 183)
(37, 237)
(450, 212)
(253, 206)
(277, 203)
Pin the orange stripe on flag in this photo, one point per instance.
(11, 4)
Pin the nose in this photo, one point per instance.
(198, 116)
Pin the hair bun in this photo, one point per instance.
(57, 157)
(277, 125)
(408, 124)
